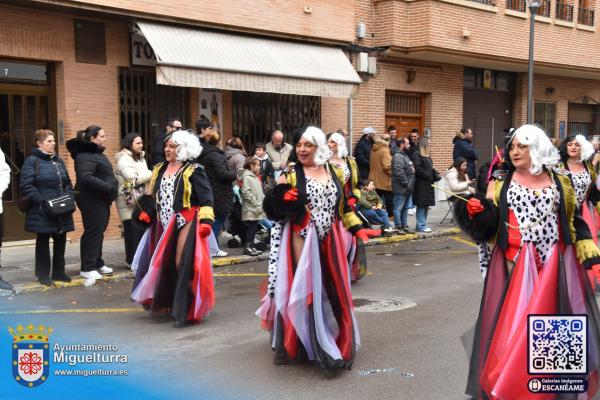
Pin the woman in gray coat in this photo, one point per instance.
(403, 182)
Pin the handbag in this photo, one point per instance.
(61, 205)
(436, 176)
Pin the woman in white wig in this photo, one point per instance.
(308, 307)
(346, 171)
(174, 271)
(542, 249)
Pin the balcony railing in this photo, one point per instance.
(516, 5)
(544, 10)
(488, 2)
(586, 17)
(564, 11)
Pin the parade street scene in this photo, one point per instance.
(267, 199)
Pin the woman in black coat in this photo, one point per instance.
(221, 180)
(423, 195)
(44, 176)
(97, 189)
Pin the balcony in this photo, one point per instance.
(487, 2)
(586, 17)
(564, 11)
(516, 5)
(544, 10)
(521, 6)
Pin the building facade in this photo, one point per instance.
(435, 65)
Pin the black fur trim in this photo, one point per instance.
(144, 203)
(277, 209)
(483, 227)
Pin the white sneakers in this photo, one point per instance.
(220, 253)
(95, 275)
(412, 211)
(105, 270)
(90, 275)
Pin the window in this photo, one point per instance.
(90, 42)
(403, 103)
(564, 11)
(516, 5)
(545, 116)
(498, 80)
(586, 12)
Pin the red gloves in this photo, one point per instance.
(364, 234)
(596, 269)
(474, 207)
(144, 217)
(204, 230)
(290, 195)
(352, 203)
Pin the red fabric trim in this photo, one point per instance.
(514, 237)
(202, 284)
(290, 340)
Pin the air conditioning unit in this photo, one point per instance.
(372, 68)
(362, 63)
(361, 30)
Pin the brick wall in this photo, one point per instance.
(85, 93)
(334, 114)
(333, 20)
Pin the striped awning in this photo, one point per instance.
(196, 58)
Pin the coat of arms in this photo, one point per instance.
(30, 354)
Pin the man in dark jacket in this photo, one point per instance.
(403, 182)
(413, 139)
(463, 148)
(362, 152)
(221, 179)
(158, 147)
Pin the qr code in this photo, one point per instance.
(557, 344)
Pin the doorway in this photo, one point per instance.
(405, 111)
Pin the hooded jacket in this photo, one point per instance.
(252, 197)
(362, 152)
(235, 159)
(381, 165)
(95, 175)
(133, 171)
(463, 148)
(219, 176)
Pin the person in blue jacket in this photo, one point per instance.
(362, 152)
(44, 176)
(464, 148)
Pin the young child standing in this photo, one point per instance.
(371, 205)
(252, 200)
(267, 173)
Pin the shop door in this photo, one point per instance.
(487, 113)
(23, 110)
(405, 111)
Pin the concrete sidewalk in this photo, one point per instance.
(18, 261)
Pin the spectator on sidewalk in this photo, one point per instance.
(393, 139)
(371, 206)
(221, 180)
(403, 183)
(252, 200)
(463, 148)
(458, 181)
(4, 182)
(235, 154)
(96, 189)
(44, 176)
(158, 147)
(132, 174)
(279, 152)
(381, 171)
(362, 152)
(413, 140)
(425, 174)
(267, 173)
(202, 127)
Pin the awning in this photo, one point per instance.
(196, 58)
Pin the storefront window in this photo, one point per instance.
(19, 72)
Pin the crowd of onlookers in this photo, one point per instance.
(396, 177)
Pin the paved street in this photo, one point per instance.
(411, 353)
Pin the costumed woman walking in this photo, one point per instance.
(346, 172)
(174, 271)
(537, 266)
(575, 153)
(308, 307)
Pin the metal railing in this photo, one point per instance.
(586, 17)
(516, 5)
(488, 2)
(564, 11)
(544, 10)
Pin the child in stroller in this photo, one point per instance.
(237, 227)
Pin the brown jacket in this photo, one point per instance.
(381, 165)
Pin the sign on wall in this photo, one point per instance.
(141, 51)
(211, 107)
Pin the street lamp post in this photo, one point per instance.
(533, 6)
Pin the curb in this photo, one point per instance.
(224, 262)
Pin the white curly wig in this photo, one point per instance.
(542, 152)
(316, 136)
(340, 141)
(189, 147)
(587, 148)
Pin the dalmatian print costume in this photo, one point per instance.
(322, 198)
(165, 200)
(581, 183)
(536, 213)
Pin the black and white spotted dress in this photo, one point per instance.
(165, 201)
(581, 183)
(322, 198)
(536, 213)
(345, 169)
